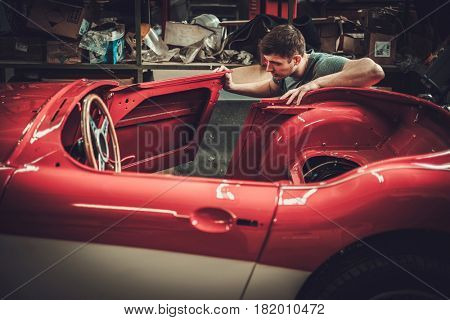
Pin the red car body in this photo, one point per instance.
(262, 231)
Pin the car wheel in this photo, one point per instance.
(396, 273)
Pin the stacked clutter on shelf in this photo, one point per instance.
(105, 43)
(202, 40)
(67, 33)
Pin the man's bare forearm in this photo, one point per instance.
(261, 89)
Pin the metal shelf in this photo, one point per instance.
(77, 66)
(137, 69)
(182, 66)
(88, 66)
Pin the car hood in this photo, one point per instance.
(24, 108)
(19, 104)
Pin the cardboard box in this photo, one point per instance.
(353, 43)
(21, 48)
(182, 34)
(329, 32)
(382, 49)
(376, 20)
(64, 53)
(57, 18)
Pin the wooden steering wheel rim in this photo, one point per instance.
(87, 136)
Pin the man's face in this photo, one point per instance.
(280, 67)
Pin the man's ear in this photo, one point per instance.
(297, 58)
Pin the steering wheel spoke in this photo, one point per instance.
(93, 125)
(104, 127)
(101, 163)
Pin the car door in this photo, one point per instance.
(72, 233)
(160, 124)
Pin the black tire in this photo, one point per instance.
(402, 271)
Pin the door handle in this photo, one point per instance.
(247, 223)
(212, 220)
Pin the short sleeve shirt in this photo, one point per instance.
(319, 65)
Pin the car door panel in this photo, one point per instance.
(156, 212)
(159, 125)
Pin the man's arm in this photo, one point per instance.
(355, 73)
(261, 89)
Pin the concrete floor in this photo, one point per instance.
(220, 137)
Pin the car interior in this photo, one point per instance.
(333, 133)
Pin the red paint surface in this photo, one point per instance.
(401, 142)
(387, 196)
(361, 125)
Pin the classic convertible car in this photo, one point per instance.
(344, 196)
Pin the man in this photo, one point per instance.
(295, 72)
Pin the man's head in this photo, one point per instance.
(284, 41)
(283, 49)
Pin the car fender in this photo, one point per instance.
(315, 222)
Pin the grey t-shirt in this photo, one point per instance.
(319, 64)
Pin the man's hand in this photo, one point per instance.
(299, 92)
(229, 84)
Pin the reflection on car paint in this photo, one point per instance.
(28, 168)
(223, 192)
(39, 134)
(300, 201)
(445, 166)
(133, 209)
(378, 176)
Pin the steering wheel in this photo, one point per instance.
(96, 136)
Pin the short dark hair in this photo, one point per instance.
(283, 40)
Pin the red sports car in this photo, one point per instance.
(344, 196)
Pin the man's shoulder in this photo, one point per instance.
(322, 59)
(325, 63)
(321, 56)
